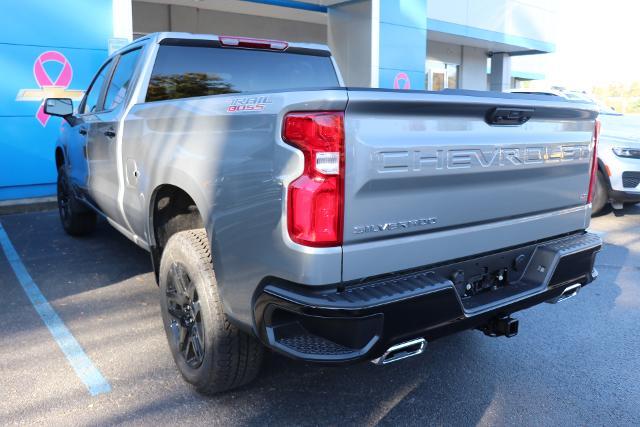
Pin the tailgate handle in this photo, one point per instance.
(509, 116)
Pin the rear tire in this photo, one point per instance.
(76, 218)
(600, 196)
(211, 353)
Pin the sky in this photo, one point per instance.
(597, 43)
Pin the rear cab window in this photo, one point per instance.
(190, 71)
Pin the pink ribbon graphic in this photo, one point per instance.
(44, 80)
(402, 77)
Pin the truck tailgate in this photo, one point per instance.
(431, 177)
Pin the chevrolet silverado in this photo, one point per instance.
(330, 224)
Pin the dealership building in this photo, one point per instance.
(53, 48)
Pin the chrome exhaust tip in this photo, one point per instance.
(569, 292)
(401, 351)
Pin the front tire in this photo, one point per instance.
(600, 195)
(76, 219)
(211, 353)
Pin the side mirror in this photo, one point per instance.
(61, 107)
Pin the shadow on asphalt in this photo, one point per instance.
(289, 391)
(465, 379)
(628, 209)
(81, 264)
(433, 389)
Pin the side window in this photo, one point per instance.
(121, 79)
(90, 103)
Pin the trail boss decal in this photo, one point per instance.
(254, 103)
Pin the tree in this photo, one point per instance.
(187, 85)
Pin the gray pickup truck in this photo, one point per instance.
(329, 224)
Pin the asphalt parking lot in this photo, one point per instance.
(575, 363)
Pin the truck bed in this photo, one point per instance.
(430, 178)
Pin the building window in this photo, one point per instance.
(441, 75)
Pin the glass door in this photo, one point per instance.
(441, 75)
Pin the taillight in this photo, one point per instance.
(594, 162)
(250, 43)
(315, 199)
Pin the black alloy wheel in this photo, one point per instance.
(77, 219)
(210, 352)
(64, 201)
(183, 305)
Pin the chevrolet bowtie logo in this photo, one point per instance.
(50, 88)
(49, 92)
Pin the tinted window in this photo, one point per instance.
(121, 79)
(186, 71)
(93, 95)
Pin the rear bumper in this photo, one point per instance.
(624, 196)
(359, 321)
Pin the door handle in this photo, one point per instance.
(82, 131)
(110, 133)
(506, 116)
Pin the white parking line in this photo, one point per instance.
(78, 359)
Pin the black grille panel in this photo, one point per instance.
(630, 179)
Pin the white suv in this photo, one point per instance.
(618, 153)
(618, 161)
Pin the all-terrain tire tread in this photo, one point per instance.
(237, 355)
(82, 220)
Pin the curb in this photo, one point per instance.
(27, 205)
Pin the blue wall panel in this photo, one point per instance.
(409, 13)
(403, 44)
(402, 47)
(27, 151)
(18, 62)
(402, 79)
(71, 23)
(77, 32)
(534, 46)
